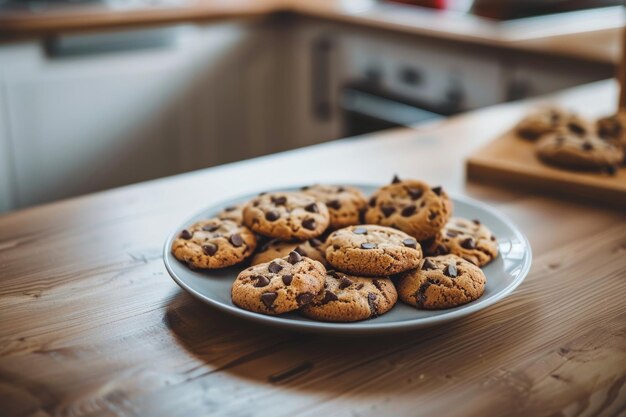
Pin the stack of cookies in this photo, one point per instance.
(567, 140)
(333, 254)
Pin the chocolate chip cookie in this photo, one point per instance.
(286, 215)
(579, 152)
(441, 282)
(282, 285)
(613, 128)
(344, 203)
(234, 213)
(411, 206)
(349, 298)
(372, 250)
(551, 119)
(214, 243)
(312, 248)
(468, 239)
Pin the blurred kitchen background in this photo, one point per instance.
(100, 93)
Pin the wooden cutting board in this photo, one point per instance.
(511, 162)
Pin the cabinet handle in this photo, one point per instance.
(320, 78)
(66, 46)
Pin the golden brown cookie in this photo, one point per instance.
(550, 119)
(344, 203)
(282, 285)
(469, 239)
(579, 152)
(286, 215)
(613, 128)
(214, 243)
(411, 206)
(372, 250)
(441, 282)
(312, 248)
(349, 298)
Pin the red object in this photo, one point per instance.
(433, 4)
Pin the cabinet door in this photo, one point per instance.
(97, 111)
(6, 173)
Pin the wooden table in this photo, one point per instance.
(91, 324)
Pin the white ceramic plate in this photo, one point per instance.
(504, 274)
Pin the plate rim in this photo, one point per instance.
(359, 327)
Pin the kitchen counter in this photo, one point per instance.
(588, 34)
(91, 324)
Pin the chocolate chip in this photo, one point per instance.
(340, 189)
(432, 215)
(576, 128)
(359, 230)
(451, 233)
(415, 193)
(312, 208)
(262, 193)
(611, 170)
(437, 190)
(279, 201)
(305, 298)
(345, 283)
(315, 242)
(268, 298)
(329, 296)
(420, 295)
(468, 243)
(410, 243)
(388, 210)
(378, 284)
(440, 250)
(185, 234)
(331, 272)
(300, 250)
(587, 146)
(554, 117)
(306, 187)
(294, 257)
(450, 270)
(230, 208)
(236, 240)
(334, 204)
(476, 222)
(371, 300)
(274, 267)
(372, 202)
(428, 265)
(272, 215)
(261, 281)
(395, 179)
(359, 286)
(493, 238)
(209, 249)
(308, 223)
(210, 227)
(287, 279)
(368, 245)
(408, 211)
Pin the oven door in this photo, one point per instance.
(366, 111)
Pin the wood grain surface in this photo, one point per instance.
(91, 324)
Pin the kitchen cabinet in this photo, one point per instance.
(89, 112)
(85, 112)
